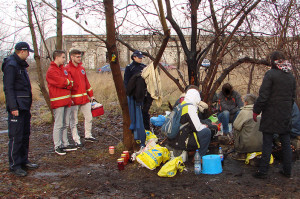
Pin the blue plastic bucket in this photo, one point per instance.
(211, 164)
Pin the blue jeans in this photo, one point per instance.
(204, 140)
(224, 117)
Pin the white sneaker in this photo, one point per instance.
(220, 133)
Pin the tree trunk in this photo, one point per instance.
(38, 58)
(59, 37)
(116, 72)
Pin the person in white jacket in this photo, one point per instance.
(193, 134)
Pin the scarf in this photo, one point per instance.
(283, 65)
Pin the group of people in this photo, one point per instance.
(69, 91)
(251, 132)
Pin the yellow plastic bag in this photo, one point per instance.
(150, 136)
(171, 167)
(153, 157)
(254, 154)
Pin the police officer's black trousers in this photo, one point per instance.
(145, 110)
(18, 133)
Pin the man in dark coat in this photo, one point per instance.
(18, 96)
(275, 102)
(135, 87)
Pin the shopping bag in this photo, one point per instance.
(158, 121)
(255, 154)
(153, 157)
(213, 118)
(150, 136)
(171, 167)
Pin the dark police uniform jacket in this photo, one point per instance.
(16, 84)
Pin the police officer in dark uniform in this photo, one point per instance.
(18, 96)
(132, 69)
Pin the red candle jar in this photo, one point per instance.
(124, 156)
(111, 150)
(127, 154)
(120, 164)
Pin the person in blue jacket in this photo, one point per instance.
(295, 121)
(17, 89)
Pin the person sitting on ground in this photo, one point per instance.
(229, 104)
(191, 130)
(247, 137)
(201, 107)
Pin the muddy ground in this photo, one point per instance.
(91, 172)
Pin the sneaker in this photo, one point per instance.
(260, 175)
(78, 145)
(31, 166)
(19, 172)
(60, 151)
(70, 147)
(91, 139)
(220, 133)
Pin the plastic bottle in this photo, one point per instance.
(221, 155)
(197, 163)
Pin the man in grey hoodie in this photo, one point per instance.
(229, 104)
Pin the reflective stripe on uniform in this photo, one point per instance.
(79, 95)
(89, 89)
(196, 139)
(60, 98)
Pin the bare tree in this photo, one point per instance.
(37, 56)
(59, 37)
(116, 72)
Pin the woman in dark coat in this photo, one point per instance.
(275, 102)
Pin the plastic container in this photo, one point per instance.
(211, 164)
(97, 109)
(197, 163)
(111, 150)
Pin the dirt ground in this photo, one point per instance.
(90, 172)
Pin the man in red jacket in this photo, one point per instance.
(80, 97)
(59, 84)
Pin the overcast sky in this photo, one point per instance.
(13, 18)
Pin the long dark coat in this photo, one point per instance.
(275, 101)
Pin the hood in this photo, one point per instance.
(15, 59)
(5, 60)
(192, 96)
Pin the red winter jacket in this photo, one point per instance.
(59, 84)
(78, 74)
